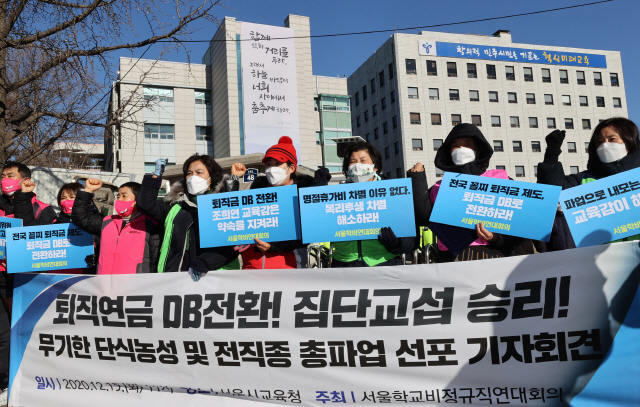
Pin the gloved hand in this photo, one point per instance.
(161, 163)
(555, 139)
(388, 239)
(197, 269)
(321, 177)
(91, 260)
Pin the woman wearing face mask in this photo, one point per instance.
(464, 151)
(178, 212)
(66, 198)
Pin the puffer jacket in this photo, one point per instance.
(183, 248)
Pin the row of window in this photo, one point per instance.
(514, 121)
(512, 97)
(498, 146)
(372, 84)
(166, 95)
(167, 132)
(510, 74)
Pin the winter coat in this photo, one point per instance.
(128, 249)
(184, 249)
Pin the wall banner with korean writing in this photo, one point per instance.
(536, 56)
(49, 247)
(269, 87)
(356, 211)
(229, 219)
(508, 207)
(548, 329)
(6, 223)
(605, 210)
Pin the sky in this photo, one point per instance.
(608, 26)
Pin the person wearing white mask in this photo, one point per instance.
(180, 249)
(613, 148)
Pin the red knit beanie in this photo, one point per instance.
(283, 151)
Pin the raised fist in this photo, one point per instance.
(555, 139)
(238, 169)
(27, 185)
(417, 168)
(92, 185)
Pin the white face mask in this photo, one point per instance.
(610, 152)
(463, 155)
(197, 185)
(275, 175)
(359, 172)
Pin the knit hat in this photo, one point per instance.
(283, 151)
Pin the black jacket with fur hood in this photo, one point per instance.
(184, 250)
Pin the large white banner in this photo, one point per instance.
(269, 87)
(528, 330)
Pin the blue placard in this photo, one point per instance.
(605, 210)
(49, 247)
(6, 223)
(474, 51)
(504, 206)
(250, 175)
(357, 211)
(269, 214)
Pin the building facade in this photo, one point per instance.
(407, 96)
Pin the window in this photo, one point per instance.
(381, 78)
(586, 124)
(452, 70)
(528, 74)
(366, 138)
(597, 78)
(432, 68)
(491, 71)
(433, 94)
(358, 121)
(439, 172)
(586, 147)
(564, 77)
(413, 93)
(372, 82)
(533, 122)
(374, 109)
(568, 123)
(574, 169)
(456, 119)
(203, 97)
(474, 96)
(535, 170)
(415, 118)
(385, 128)
(495, 121)
(416, 144)
(366, 116)
(435, 119)
(357, 95)
(617, 102)
(535, 147)
(159, 131)
(566, 100)
(203, 133)
(476, 119)
(548, 99)
(600, 101)
(472, 72)
(158, 94)
(383, 103)
(571, 147)
(515, 121)
(437, 143)
(392, 95)
(493, 96)
(546, 75)
(614, 79)
(551, 123)
(583, 101)
(454, 94)
(364, 93)
(394, 121)
(519, 171)
(376, 133)
(511, 76)
(410, 65)
(500, 167)
(497, 146)
(512, 97)
(386, 152)
(396, 148)
(580, 78)
(531, 98)
(390, 71)
(517, 146)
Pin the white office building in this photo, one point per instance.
(407, 96)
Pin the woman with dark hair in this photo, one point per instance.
(180, 249)
(66, 198)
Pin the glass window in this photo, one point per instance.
(512, 97)
(474, 96)
(535, 170)
(376, 133)
(495, 121)
(614, 79)
(584, 101)
(372, 83)
(364, 92)
(366, 116)
(410, 66)
(358, 121)
(586, 124)
(159, 131)
(374, 109)
(439, 172)
(394, 121)
(203, 97)
(357, 96)
(519, 171)
(415, 118)
(511, 76)
(517, 146)
(568, 123)
(617, 102)
(597, 78)
(586, 147)
(533, 122)
(159, 94)
(432, 68)
(493, 96)
(546, 75)
(392, 95)
(390, 68)
(396, 148)
(386, 152)
(600, 101)
(497, 146)
(452, 70)
(535, 147)
(566, 100)
(564, 76)
(454, 94)
(383, 103)
(413, 93)
(476, 119)
(574, 169)
(531, 98)
(437, 142)
(571, 147)
(551, 123)
(203, 133)
(580, 78)
(435, 119)
(456, 119)
(416, 144)
(528, 74)
(515, 121)
(385, 128)
(548, 99)
(433, 94)
(472, 72)
(381, 78)
(500, 167)
(491, 71)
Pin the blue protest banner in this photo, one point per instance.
(356, 211)
(504, 206)
(6, 223)
(269, 214)
(48, 247)
(605, 210)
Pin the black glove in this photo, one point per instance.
(389, 239)
(198, 265)
(555, 139)
(321, 177)
(91, 260)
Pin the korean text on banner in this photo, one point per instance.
(49, 247)
(509, 207)
(269, 214)
(269, 87)
(356, 211)
(605, 210)
(525, 330)
(6, 223)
